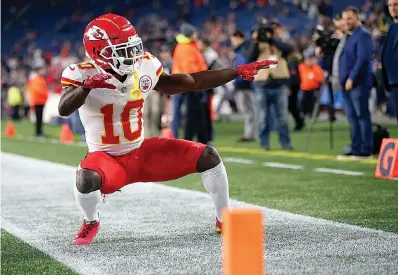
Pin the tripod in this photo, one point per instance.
(314, 115)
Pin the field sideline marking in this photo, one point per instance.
(338, 171)
(251, 151)
(303, 155)
(293, 166)
(238, 160)
(231, 159)
(312, 240)
(283, 165)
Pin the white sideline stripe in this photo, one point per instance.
(227, 159)
(239, 160)
(283, 165)
(50, 140)
(338, 171)
(156, 229)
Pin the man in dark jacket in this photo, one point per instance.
(213, 63)
(389, 55)
(294, 85)
(243, 88)
(355, 75)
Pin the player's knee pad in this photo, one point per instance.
(87, 181)
(209, 159)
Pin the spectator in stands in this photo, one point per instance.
(311, 76)
(271, 92)
(243, 89)
(38, 95)
(355, 74)
(389, 55)
(187, 58)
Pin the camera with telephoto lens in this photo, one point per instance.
(264, 30)
(324, 38)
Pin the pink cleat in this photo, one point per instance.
(86, 233)
(218, 226)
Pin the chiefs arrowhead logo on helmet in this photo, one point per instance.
(95, 33)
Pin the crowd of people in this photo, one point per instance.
(293, 86)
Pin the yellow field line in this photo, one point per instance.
(253, 151)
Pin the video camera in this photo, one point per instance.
(324, 38)
(265, 30)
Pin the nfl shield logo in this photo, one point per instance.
(123, 89)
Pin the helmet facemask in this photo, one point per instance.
(124, 58)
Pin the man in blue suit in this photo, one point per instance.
(355, 75)
(389, 55)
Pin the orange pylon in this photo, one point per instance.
(66, 135)
(10, 130)
(243, 242)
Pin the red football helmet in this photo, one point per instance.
(111, 42)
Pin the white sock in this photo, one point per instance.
(215, 181)
(88, 204)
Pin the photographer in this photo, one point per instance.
(327, 39)
(271, 93)
(339, 34)
(271, 33)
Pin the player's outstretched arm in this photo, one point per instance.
(74, 97)
(180, 83)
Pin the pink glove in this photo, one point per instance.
(248, 71)
(98, 81)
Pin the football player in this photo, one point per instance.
(109, 91)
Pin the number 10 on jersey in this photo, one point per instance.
(107, 111)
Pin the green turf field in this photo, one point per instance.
(19, 258)
(360, 200)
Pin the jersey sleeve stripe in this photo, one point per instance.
(65, 83)
(159, 71)
(68, 81)
(147, 55)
